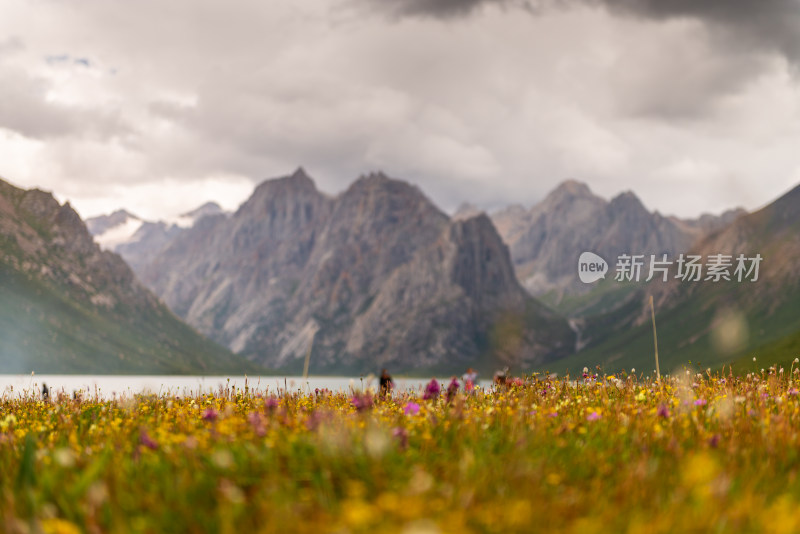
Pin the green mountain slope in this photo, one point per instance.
(68, 307)
(712, 324)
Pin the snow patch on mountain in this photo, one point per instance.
(121, 233)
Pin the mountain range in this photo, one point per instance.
(547, 239)
(712, 323)
(374, 277)
(378, 276)
(70, 307)
(138, 240)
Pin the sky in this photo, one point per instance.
(160, 106)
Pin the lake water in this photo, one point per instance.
(109, 386)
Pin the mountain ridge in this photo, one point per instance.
(377, 275)
(71, 307)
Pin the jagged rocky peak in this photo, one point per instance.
(377, 180)
(39, 203)
(273, 192)
(209, 208)
(298, 179)
(627, 207)
(567, 190)
(627, 200)
(280, 207)
(466, 210)
(379, 203)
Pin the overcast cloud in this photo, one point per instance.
(158, 107)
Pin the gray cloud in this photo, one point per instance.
(772, 24)
(490, 108)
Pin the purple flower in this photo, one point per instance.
(714, 441)
(452, 389)
(700, 402)
(432, 390)
(257, 423)
(271, 403)
(594, 416)
(412, 408)
(147, 441)
(362, 401)
(210, 415)
(663, 411)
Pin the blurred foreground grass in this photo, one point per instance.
(696, 453)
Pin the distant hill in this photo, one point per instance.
(70, 307)
(138, 240)
(713, 323)
(547, 239)
(377, 276)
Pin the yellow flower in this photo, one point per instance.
(59, 526)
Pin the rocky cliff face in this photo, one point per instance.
(547, 239)
(50, 241)
(69, 306)
(377, 276)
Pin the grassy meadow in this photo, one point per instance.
(692, 453)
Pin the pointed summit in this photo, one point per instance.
(297, 182)
(567, 191)
(209, 208)
(299, 174)
(374, 178)
(628, 201)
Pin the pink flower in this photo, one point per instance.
(594, 416)
(210, 415)
(452, 389)
(412, 408)
(361, 401)
(700, 402)
(432, 390)
(663, 411)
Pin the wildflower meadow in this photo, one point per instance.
(693, 452)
